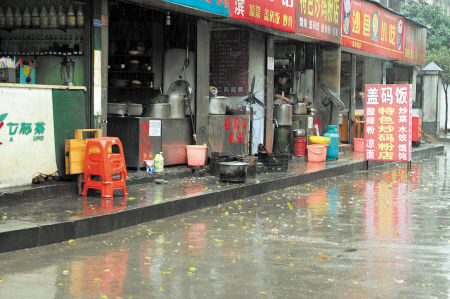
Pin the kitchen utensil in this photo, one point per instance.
(299, 133)
(119, 82)
(176, 102)
(136, 83)
(283, 114)
(312, 111)
(133, 65)
(300, 108)
(217, 105)
(117, 108)
(160, 110)
(134, 109)
(233, 172)
(67, 71)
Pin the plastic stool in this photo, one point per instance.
(100, 160)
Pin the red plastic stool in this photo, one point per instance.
(100, 160)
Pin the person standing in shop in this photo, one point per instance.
(280, 87)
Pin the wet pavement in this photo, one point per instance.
(378, 233)
(63, 217)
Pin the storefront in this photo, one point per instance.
(45, 98)
(379, 46)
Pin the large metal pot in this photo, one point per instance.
(160, 110)
(117, 108)
(300, 108)
(134, 109)
(234, 172)
(217, 105)
(176, 102)
(283, 114)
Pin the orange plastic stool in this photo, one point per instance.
(100, 160)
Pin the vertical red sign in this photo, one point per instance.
(388, 122)
(279, 14)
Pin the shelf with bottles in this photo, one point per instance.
(40, 18)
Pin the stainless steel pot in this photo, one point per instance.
(176, 102)
(299, 133)
(234, 172)
(160, 110)
(283, 114)
(300, 108)
(217, 105)
(117, 108)
(134, 109)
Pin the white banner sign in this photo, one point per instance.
(27, 142)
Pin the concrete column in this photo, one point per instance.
(352, 98)
(430, 84)
(99, 82)
(270, 53)
(328, 74)
(202, 86)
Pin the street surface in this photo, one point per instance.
(384, 233)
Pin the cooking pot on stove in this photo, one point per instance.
(283, 114)
(176, 102)
(300, 108)
(134, 109)
(117, 108)
(159, 110)
(217, 105)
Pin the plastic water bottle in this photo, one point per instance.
(159, 162)
(333, 145)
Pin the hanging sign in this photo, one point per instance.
(279, 14)
(388, 122)
(221, 7)
(320, 19)
(415, 44)
(370, 28)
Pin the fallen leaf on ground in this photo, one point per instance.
(324, 258)
(72, 241)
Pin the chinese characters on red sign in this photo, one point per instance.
(279, 14)
(320, 19)
(236, 128)
(145, 143)
(388, 122)
(370, 28)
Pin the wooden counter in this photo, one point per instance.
(41, 86)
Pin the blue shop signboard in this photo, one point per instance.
(221, 7)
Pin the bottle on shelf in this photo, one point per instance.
(17, 18)
(52, 18)
(44, 17)
(80, 17)
(26, 18)
(35, 18)
(9, 18)
(2, 18)
(62, 21)
(71, 18)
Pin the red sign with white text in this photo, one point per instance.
(388, 122)
(370, 28)
(278, 14)
(319, 19)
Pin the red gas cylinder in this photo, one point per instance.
(300, 146)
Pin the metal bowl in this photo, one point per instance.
(299, 133)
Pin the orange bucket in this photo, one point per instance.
(317, 152)
(196, 155)
(358, 145)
